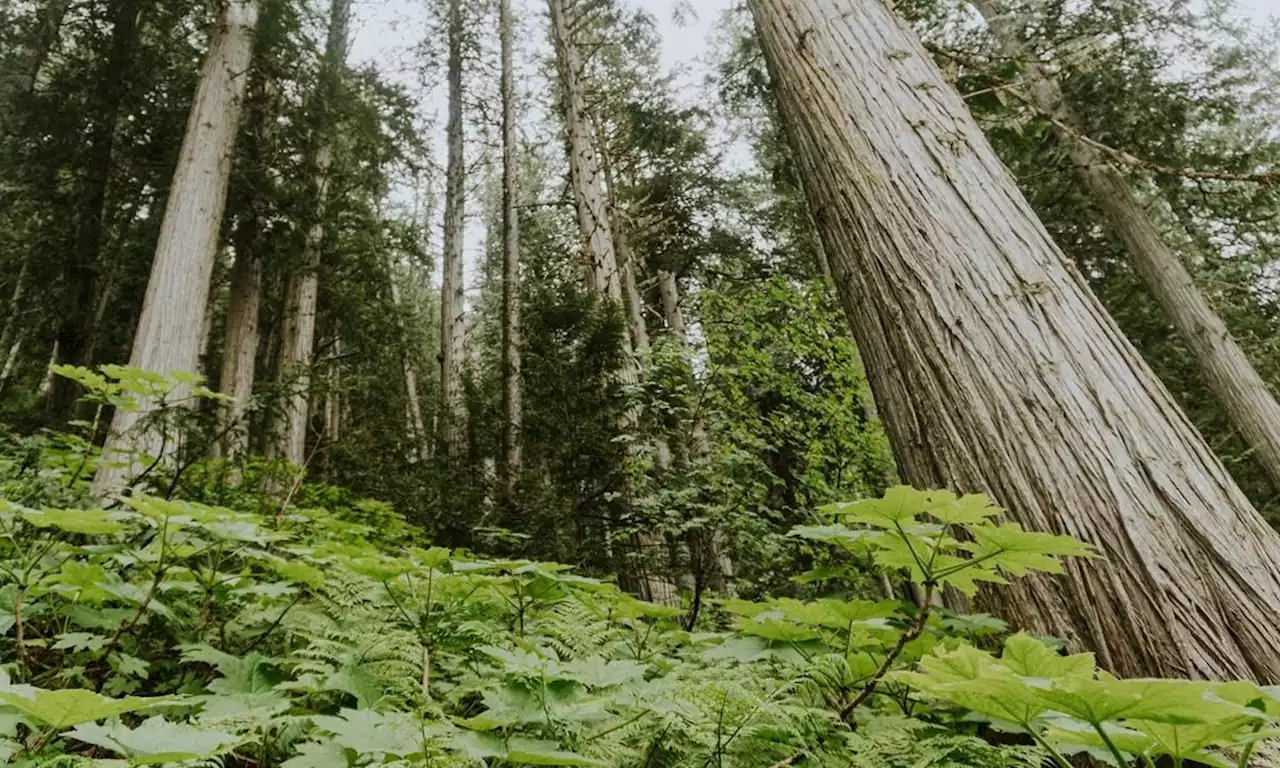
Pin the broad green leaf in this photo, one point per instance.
(365, 731)
(898, 507)
(1026, 656)
(71, 706)
(86, 521)
(1163, 701)
(157, 740)
(538, 752)
(317, 754)
(296, 570)
(80, 641)
(966, 510)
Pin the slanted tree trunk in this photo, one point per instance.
(997, 371)
(599, 253)
(452, 298)
(19, 79)
(303, 286)
(512, 413)
(1244, 396)
(168, 333)
(76, 331)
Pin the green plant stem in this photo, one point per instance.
(916, 629)
(1111, 745)
(128, 626)
(1054, 754)
(1247, 752)
(18, 636)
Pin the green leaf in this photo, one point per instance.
(157, 740)
(1162, 701)
(71, 706)
(1026, 656)
(538, 752)
(86, 521)
(366, 732)
(317, 754)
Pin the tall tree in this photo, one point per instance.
(996, 370)
(303, 288)
(76, 330)
(1244, 396)
(244, 305)
(19, 75)
(599, 252)
(452, 296)
(512, 414)
(168, 334)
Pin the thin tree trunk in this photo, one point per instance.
(240, 349)
(413, 406)
(19, 79)
(46, 383)
(244, 302)
(452, 298)
(1243, 394)
(600, 258)
(76, 333)
(168, 333)
(303, 287)
(719, 570)
(512, 413)
(11, 336)
(997, 371)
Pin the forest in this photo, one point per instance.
(639, 383)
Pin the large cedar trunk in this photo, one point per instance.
(452, 297)
(1242, 393)
(512, 413)
(302, 290)
(997, 371)
(168, 333)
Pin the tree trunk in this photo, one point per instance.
(716, 562)
(413, 406)
(513, 417)
(997, 371)
(1243, 394)
(452, 297)
(19, 79)
(76, 331)
(11, 336)
(303, 287)
(240, 349)
(599, 255)
(168, 333)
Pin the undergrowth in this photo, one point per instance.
(156, 630)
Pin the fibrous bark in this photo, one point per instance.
(997, 371)
(1245, 398)
(167, 337)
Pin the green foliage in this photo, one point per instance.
(167, 630)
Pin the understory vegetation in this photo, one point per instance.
(309, 628)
